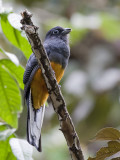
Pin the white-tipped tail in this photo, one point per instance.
(34, 124)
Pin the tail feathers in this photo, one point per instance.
(34, 124)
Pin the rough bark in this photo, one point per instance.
(66, 124)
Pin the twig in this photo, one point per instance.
(58, 102)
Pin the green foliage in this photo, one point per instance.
(16, 71)
(5, 150)
(10, 101)
(11, 76)
(5, 131)
(14, 36)
(111, 134)
(5, 135)
(11, 80)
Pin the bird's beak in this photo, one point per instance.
(66, 31)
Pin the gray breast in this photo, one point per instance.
(58, 51)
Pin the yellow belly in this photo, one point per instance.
(38, 86)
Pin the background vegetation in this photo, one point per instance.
(90, 84)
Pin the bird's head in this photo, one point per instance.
(58, 32)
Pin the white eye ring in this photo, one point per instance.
(55, 32)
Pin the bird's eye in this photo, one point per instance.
(55, 32)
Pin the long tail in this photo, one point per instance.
(34, 123)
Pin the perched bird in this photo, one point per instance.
(57, 48)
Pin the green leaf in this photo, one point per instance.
(104, 152)
(5, 150)
(108, 133)
(21, 149)
(16, 71)
(10, 98)
(10, 56)
(5, 131)
(15, 37)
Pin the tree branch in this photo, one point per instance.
(58, 102)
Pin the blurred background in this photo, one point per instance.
(90, 85)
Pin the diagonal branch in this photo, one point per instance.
(57, 99)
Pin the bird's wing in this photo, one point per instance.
(31, 68)
(35, 117)
(31, 63)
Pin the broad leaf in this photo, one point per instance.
(21, 149)
(5, 150)
(10, 56)
(108, 134)
(104, 152)
(5, 131)
(16, 71)
(10, 98)
(15, 37)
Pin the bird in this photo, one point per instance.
(56, 45)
